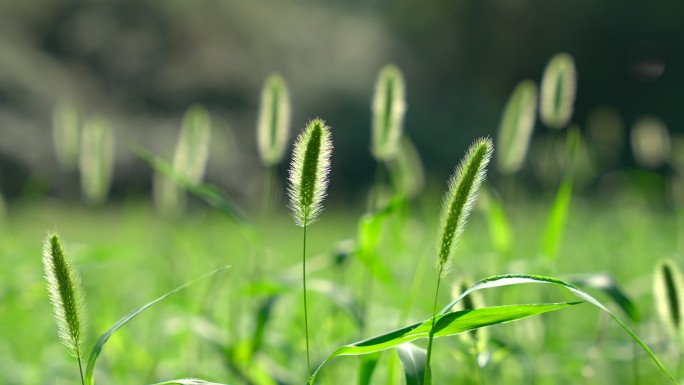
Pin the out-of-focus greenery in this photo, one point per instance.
(142, 63)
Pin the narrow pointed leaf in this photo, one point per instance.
(367, 367)
(607, 284)
(445, 325)
(516, 279)
(413, 359)
(97, 349)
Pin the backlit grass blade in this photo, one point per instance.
(607, 284)
(413, 359)
(367, 367)
(96, 161)
(273, 125)
(558, 87)
(517, 279)
(212, 195)
(668, 290)
(66, 130)
(389, 105)
(555, 224)
(444, 325)
(97, 349)
(516, 127)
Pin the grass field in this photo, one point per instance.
(127, 255)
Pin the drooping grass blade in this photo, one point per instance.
(516, 279)
(413, 359)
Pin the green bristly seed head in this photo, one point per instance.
(460, 197)
(668, 291)
(192, 149)
(66, 128)
(558, 87)
(66, 296)
(273, 125)
(516, 127)
(97, 159)
(389, 105)
(309, 172)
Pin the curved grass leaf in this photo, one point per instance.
(367, 367)
(444, 325)
(555, 224)
(212, 195)
(97, 349)
(610, 286)
(516, 279)
(413, 359)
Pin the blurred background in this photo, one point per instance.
(142, 64)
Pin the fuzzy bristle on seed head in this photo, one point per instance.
(273, 125)
(460, 197)
(389, 105)
(64, 287)
(558, 88)
(668, 291)
(308, 179)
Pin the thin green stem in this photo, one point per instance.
(269, 184)
(428, 372)
(306, 311)
(80, 368)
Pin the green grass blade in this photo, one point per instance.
(413, 359)
(212, 195)
(97, 349)
(367, 367)
(607, 284)
(555, 224)
(444, 325)
(188, 381)
(516, 279)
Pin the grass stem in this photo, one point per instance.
(306, 311)
(427, 378)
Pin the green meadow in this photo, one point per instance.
(536, 260)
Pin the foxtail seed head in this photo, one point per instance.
(668, 290)
(192, 148)
(96, 161)
(309, 172)
(516, 127)
(66, 295)
(273, 125)
(389, 105)
(558, 87)
(460, 197)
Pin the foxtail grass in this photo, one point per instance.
(668, 290)
(273, 130)
(308, 181)
(189, 160)
(558, 88)
(273, 125)
(457, 205)
(389, 106)
(516, 127)
(96, 159)
(66, 295)
(66, 128)
(650, 142)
